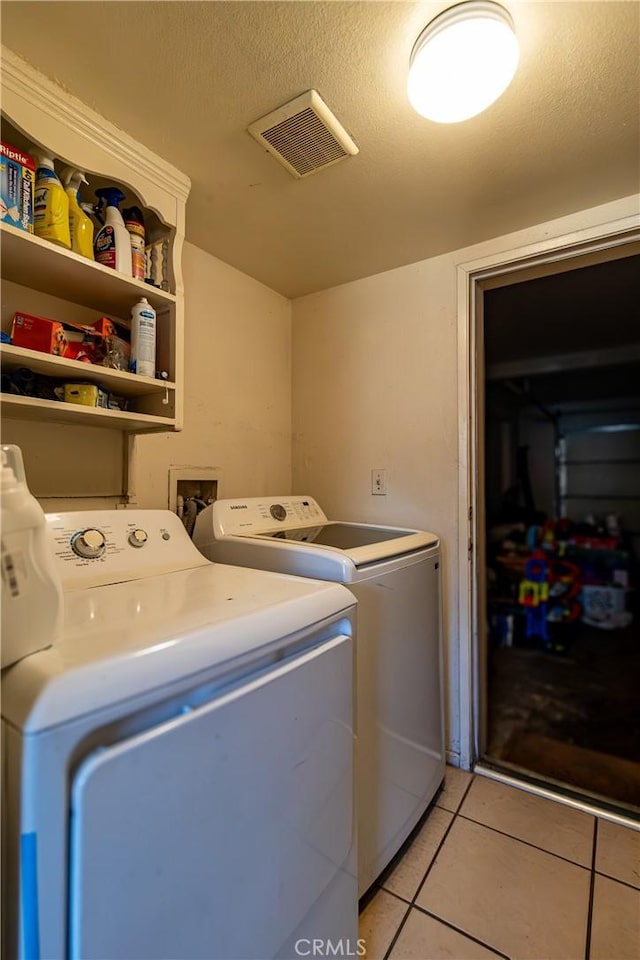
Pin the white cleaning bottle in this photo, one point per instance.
(143, 339)
(112, 245)
(31, 589)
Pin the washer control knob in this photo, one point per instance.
(138, 538)
(278, 512)
(89, 544)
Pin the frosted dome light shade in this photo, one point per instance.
(462, 62)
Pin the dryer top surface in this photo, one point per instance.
(121, 640)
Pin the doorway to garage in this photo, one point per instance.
(561, 553)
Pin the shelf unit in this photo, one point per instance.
(29, 408)
(116, 381)
(40, 265)
(39, 112)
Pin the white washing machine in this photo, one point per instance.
(395, 575)
(178, 767)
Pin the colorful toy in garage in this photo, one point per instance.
(533, 596)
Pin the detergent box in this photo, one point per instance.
(16, 188)
(88, 394)
(114, 346)
(70, 340)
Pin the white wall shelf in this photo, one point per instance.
(117, 381)
(35, 110)
(139, 391)
(41, 265)
(32, 408)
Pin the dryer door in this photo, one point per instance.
(227, 832)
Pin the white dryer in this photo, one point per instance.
(178, 766)
(395, 575)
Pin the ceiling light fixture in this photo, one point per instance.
(462, 61)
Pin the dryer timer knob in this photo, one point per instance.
(138, 538)
(89, 544)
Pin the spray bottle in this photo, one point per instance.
(31, 589)
(50, 203)
(92, 211)
(80, 226)
(112, 245)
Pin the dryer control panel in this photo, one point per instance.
(96, 547)
(256, 515)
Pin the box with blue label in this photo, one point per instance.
(16, 187)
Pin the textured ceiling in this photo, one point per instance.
(187, 78)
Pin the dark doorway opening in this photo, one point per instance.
(562, 521)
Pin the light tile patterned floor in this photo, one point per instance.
(497, 872)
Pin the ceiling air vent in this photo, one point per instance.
(304, 135)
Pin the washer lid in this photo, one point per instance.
(125, 639)
(345, 536)
(290, 522)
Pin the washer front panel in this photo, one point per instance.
(256, 515)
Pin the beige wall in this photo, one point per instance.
(375, 386)
(237, 411)
(237, 406)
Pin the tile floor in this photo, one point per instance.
(497, 872)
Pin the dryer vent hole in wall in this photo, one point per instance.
(192, 497)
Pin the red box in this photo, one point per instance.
(80, 348)
(48, 336)
(111, 328)
(113, 347)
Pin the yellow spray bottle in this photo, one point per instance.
(50, 202)
(80, 225)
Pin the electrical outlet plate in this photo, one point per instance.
(378, 483)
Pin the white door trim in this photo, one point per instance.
(592, 240)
